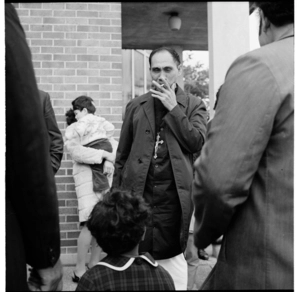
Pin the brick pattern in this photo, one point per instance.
(76, 49)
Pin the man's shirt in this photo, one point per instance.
(162, 237)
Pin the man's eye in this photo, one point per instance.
(155, 70)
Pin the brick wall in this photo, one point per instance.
(76, 49)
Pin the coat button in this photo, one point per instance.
(147, 131)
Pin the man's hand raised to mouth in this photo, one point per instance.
(167, 94)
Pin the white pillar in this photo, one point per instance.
(179, 50)
(228, 38)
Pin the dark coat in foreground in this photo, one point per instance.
(32, 223)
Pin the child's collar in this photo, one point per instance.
(121, 263)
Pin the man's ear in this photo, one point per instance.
(265, 23)
(85, 110)
(179, 69)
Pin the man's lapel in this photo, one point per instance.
(148, 106)
(181, 97)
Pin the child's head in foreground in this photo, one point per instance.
(118, 221)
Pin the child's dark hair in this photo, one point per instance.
(82, 102)
(70, 117)
(118, 221)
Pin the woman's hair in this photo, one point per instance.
(82, 102)
(170, 50)
(70, 117)
(278, 13)
(118, 221)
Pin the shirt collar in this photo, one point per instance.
(121, 263)
(288, 33)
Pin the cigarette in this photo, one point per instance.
(159, 86)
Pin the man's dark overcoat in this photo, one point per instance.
(185, 134)
(56, 140)
(32, 221)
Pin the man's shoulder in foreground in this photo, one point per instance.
(269, 51)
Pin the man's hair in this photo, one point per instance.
(279, 13)
(118, 221)
(82, 102)
(70, 117)
(217, 97)
(170, 50)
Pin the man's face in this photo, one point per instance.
(80, 114)
(164, 67)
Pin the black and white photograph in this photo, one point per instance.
(149, 146)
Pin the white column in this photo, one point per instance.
(228, 38)
(179, 50)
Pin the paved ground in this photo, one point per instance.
(68, 285)
(201, 270)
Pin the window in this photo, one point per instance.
(136, 75)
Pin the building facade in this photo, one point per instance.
(76, 49)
